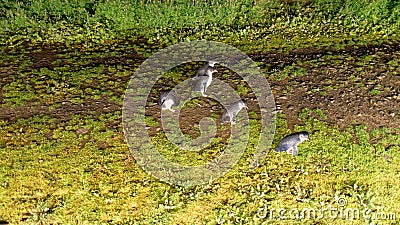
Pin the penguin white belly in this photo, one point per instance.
(168, 104)
(208, 82)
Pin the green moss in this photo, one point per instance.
(55, 169)
(268, 23)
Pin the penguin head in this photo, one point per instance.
(212, 63)
(304, 136)
(210, 71)
(243, 103)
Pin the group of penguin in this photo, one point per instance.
(202, 81)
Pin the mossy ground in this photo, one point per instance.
(63, 154)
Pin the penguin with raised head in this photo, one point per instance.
(202, 70)
(202, 82)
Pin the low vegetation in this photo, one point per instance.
(65, 66)
(287, 24)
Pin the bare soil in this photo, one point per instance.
(327, 86)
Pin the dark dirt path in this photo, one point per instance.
(345, 100)
(353, 85)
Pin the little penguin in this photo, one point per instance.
(231, 112)
(169, 99)
(202, 70)
(291, 141)
(202, 82)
